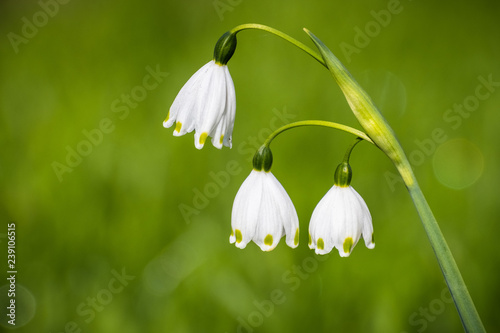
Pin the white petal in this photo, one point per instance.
(218, 136)
(246, 206)
(365, 221)
(212, 110)
(230, 110)
(205, 101)
(182, 109)
(289, 217)
(269, 228)
(279, 216)
(322, 223)
(221, 135)
(352, 225)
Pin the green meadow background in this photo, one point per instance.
(121, 227)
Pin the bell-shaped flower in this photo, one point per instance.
(262, 210)
(207, 105)
(339, 220)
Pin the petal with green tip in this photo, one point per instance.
(206, 104)
(339, 220)
(264, 213)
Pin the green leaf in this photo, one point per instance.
(364, 109)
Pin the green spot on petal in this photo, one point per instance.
(232, 232)
(296, 238)
(310, 239)
(239, 236)
(168, 117)
(178, 126)
(268, 240)
(348, 244)
(203, 138)
(221, 139)
(320, 244)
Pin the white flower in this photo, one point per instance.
(207, 105)
(338, 221)
(263, 212)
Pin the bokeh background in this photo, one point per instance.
(132, 234)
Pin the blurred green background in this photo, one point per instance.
(102, 244)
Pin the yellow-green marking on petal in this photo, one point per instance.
(296, 238)
(221, 139)
(178, 126)
(310, 239)
(168, 117)
(203, 138)
(268, 240)
(348, 244)
(320, 244)
(232, 232)
(239, 236)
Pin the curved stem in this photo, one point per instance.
(322, 123)
(278, 33)
(349, 150)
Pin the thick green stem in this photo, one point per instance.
(278, 33)
(463, 301)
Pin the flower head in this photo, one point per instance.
(207, 105)
(340, 218)
(263, 211)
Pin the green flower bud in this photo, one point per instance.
(263, 159)
(225, 47)
(343, 175)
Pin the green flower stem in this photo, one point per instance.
(278, 33)
(384, 137)
(463, 301)
(322, 123)
(349, 150)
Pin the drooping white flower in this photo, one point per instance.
(263, 212)
(207, 105)
(339, 220)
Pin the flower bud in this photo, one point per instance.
(343, 175)
(225, 47)
(263, 159)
